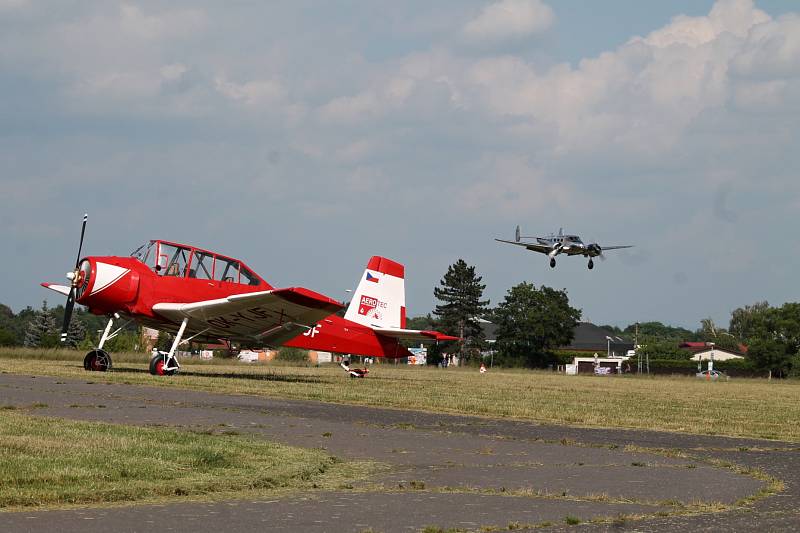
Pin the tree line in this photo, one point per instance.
(532, 322)
(41, 328)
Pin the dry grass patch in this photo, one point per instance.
(739, 407)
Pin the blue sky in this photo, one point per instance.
(304, 137)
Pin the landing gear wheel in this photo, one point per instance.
(157, 366)
(552, 263)
(591, 264)
(97, 361)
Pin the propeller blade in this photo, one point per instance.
(80, 245)
(516, 235)
(67, 314)
(70, 305)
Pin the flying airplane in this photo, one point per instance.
(198, 294)
(553, 245)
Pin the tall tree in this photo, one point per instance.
(460, 291)
(745, 320)
(656, 331)
(531, 322)
(41, 330)
(75, 333)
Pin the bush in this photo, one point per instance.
(731, 367)
(294, 355)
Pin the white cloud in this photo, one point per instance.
(252, 93)
(317, 110)
(510, 19)
(509, 184)
(736, 17)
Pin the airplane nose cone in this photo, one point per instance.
(70, 276)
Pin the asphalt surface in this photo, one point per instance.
(478, 461)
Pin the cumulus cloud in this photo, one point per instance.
(510, 19)
(311, 112)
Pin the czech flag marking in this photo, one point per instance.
(373, 279)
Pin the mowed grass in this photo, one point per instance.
(48, 461)
(739, 407)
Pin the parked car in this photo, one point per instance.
(715, 374)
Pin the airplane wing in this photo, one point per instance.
(414, 335)
(271, 317)
(535, 247)
(615, 247)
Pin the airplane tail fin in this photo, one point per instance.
(380, 299)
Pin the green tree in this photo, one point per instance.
(770, 355)
(531, 322)
(663, 350)
(746, 320)
(421, 322)
(76, 332)
(656, 331)
(460, 291)
(41, 330)
(7, 338)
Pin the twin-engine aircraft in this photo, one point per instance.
(553, 245)
(201, 295)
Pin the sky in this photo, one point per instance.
(304, 137)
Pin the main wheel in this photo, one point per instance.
(591, 264)
(552, 263)
(157, 366)
(97, 361)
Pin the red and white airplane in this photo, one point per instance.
(198, 294)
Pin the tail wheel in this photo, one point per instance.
(157, 366)
(97, 361)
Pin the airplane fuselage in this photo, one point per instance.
(125, 285)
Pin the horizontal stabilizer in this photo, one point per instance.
(414, 335)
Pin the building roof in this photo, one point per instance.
(589, 337)
(701, 346)
(586, 337)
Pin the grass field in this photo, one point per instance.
(46, 462)
(739, 407)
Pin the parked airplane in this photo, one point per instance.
(553, 245)
(197, 294)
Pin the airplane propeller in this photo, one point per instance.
(597, 249)
(74, 278)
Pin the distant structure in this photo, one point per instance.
(702, 351)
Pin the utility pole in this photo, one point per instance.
(636, 349)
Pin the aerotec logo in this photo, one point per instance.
(371, 307)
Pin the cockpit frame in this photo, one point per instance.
(171, 259)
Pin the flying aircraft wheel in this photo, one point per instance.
(552, 263)
(591, 264)
(157, 366)
(97, 361)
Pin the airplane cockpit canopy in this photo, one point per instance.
(182, 261)
(573, 238)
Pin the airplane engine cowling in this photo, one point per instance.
(104, 284)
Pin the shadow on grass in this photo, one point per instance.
(286, 378)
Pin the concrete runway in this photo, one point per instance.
(424, 449)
